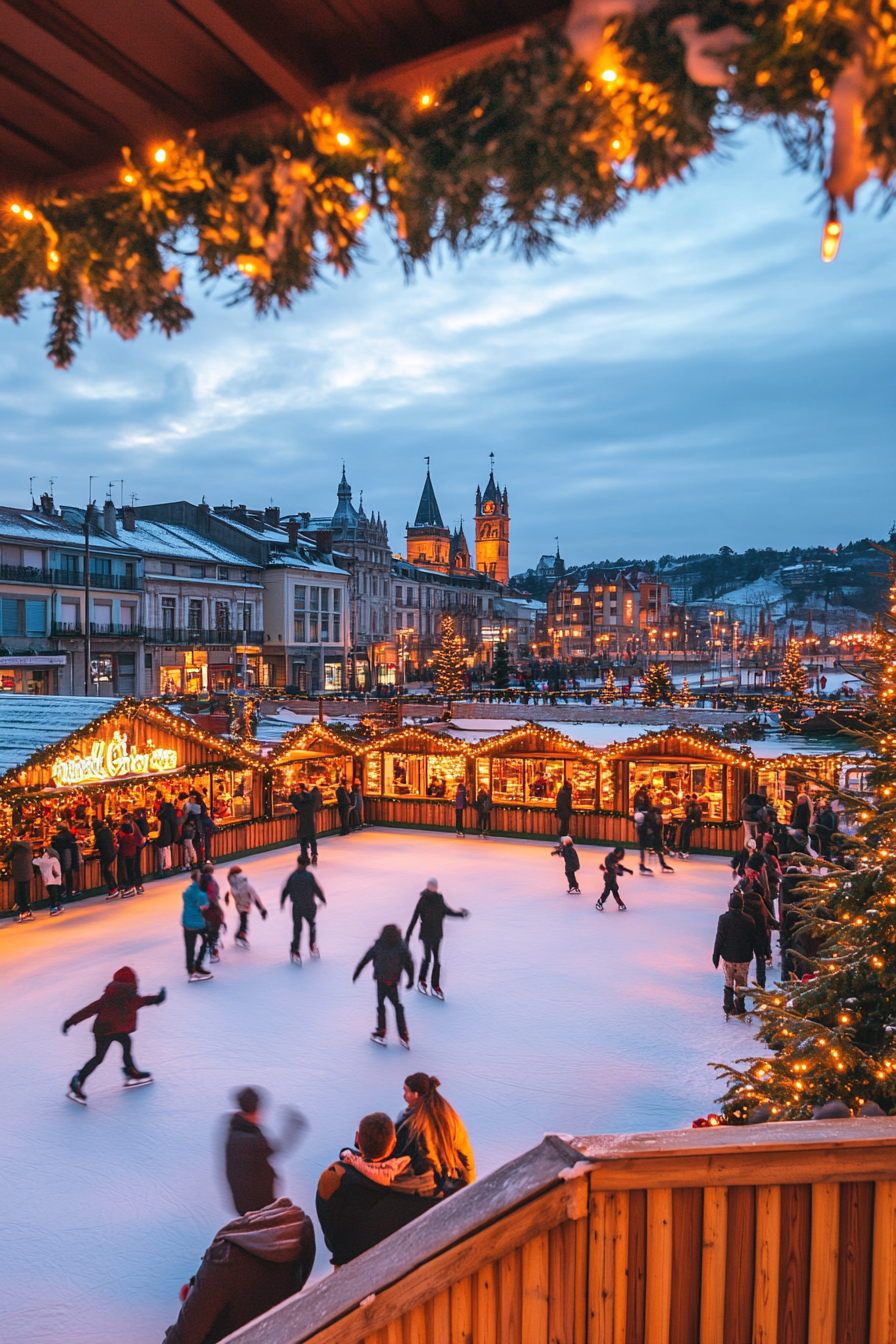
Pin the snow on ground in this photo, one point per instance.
(557, 1018)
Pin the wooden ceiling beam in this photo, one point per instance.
(32, 79)
(72, 33)
(52, 151)
(262, 54)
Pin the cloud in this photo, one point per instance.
(686, 377)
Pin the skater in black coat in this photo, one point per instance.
(344, 804)
(305, 806)
(390, 956)
(304, 892)
(247, 1151)
(116, 1020)
(612, 866)
(253, 1264)
(568, 853)
(737, 940)
(431, 911)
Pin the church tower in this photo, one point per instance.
(429, 541)
(493, 530)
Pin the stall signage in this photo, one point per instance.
(112, 760)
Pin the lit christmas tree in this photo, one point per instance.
(834, 1036)
(793, 674)
(608, 691)
(685, 696)
(449, 661)
(501, 666)
(656, 685)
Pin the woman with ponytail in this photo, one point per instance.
(431, 1133)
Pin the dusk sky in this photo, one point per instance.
(687, 377)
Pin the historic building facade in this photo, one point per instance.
(608, 612)
(493, 531)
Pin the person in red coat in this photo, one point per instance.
(116, 1019)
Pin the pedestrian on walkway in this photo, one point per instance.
(303, 890)
(431, 910)
(460, 802)
(390, 956)
(611, 867)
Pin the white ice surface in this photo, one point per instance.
(557, 1018)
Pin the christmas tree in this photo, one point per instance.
(685, 696)
(449, 661)
(656, 685)
(832, 1030)
(501, 666)
(793, 674)
(608, 690)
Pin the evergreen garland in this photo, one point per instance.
(517, 150)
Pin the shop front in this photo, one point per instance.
(411, 777)
(317, 757)
(62, 771)
(524, 770)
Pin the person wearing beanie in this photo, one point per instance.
(304, 891)
(253, 1264)
(431, 1133)
(737, 942)
(390, 956)
(431, 910)
(247, 1151)
(116, 1019)
(568, 853)
(244, 896)
(611, 867)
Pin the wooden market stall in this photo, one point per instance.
(72, 761)
(317, 756)
(524, 770)
(411, 778)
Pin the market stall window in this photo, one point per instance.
(373, 775)
(543, 781)
(233, 796)
(324, 772)
(443, 774)
(669, 783)
(508, 774)
(483, 774)
(608, 786)
(583, 777)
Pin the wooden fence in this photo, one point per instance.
(774, 1234)
(591, 828)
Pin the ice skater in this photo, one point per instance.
(244, 897)
(214, 915)
(193, 921)
(567, 851)
(431, 910)
(303, 890)
(247, 1150)
(51, 872)
(116, 1019)
(390, 956)
(611, 868)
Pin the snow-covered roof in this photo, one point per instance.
(28, 723)
(166, 539)
(296, 560)
(43, 531)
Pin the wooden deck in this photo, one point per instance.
(773, 1234)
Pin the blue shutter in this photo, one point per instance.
(9, 612)
(35, 618)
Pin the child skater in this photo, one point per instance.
(390, 956)
(244, 894)
(212, 912)
(116, 1019)
(611, 868)
(567, 851)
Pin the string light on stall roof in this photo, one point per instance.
(830, 239)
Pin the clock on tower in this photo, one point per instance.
(493, 530)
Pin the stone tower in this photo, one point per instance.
(429, 541)
(493, 530)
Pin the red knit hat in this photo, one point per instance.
(125, 974)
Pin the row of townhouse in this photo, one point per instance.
(606, 613)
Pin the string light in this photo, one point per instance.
(830, 239)
(160, 155)
(343, 139)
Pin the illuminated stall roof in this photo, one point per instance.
(673, 744)
(417, 742)
(311, 740)
(535, 740)
(29, 753)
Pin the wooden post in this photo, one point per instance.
(824, 1258)
(658, 1305)
(883, 1265)
(535, 1258)
(715, 1258)
(768, 1257)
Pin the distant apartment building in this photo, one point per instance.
(608, 612)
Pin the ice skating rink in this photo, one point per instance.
(557, 1018)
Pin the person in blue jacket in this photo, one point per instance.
(193, 922)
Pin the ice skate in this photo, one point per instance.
(598, 905)
(26, 918)
(75, 1093)
(421, 986)
(377, 1038)
(315, 951)
(136, 1078)
(200, 975)
(295, 958)
(405, 1040)
(240, 940)
(140, 891)
(56, 911)
(666, 868)
(128, 893)
(215, 956)
(622, 906)
(437, 993)
(642, 868)
(113, 895)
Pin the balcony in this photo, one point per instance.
(71, 578)
(65, 630)
(198, 638)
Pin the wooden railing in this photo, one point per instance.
(593, 828)
(773, 1234)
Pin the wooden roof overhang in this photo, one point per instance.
(417, 742)
(81, 78)
(310, 743)
(533, 740)
(675, 745)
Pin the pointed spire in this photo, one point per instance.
(428, 514)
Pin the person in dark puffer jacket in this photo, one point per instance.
(247, 1152)
(431, 910)
(116, 1019)
(390, 956)
(737, 940)
(253, 1264)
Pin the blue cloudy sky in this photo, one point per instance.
(687, 377)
